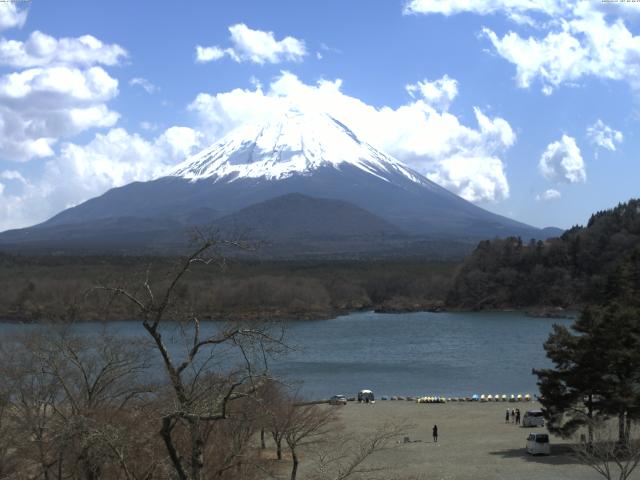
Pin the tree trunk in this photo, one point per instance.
(42, 456)
(90, 470)
(279, 449)
(60, 458)
(590, 415)
(176, 461)
(621, 428)
(294, 468)
(262, 444)
(197, 450)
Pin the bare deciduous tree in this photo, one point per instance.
(7, 459)
(274, 403)
(202, 386)
(606, 454)
(66, 397)
(349, 456)
(306, 425)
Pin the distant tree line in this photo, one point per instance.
(50, 288)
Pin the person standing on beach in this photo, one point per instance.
(435, 434)
(518, 416)
(506, 418)
(513, 415)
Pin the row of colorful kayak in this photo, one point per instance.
(477, 398)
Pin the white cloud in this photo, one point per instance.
(562, 162)
(604, 136)
(548, 195)
(585, 44)
(117, 158)
(326, 48)
(179, 141)
(581, 38)
(558, 58)
(11, 16)
(433, 141)
(483, 7)
(255, 46)
(473, 178)
(81, 172)
(58, 91)
(56, 85)
(439, 93)
(208, 54)
(148, 126)
(38, 106)
(144, 84)
(13, 175)
(41, 49)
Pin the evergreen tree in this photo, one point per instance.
(596, 371)
(568, 271)
(617, 330)
(569, 392)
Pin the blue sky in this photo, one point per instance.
(529, 109)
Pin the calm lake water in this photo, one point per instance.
(449, 354)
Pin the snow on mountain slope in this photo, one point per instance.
(298, 174)
(296, 143)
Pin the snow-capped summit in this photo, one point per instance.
(300, 178)
(295, 143)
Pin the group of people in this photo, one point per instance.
(513, 415)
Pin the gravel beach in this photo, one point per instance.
(474, 442)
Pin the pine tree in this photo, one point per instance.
(618, 332)
(596, 371)
(569, 392)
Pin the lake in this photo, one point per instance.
(447, 354)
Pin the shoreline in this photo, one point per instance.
(531, 312)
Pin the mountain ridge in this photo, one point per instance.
(295, 215)
(313, 155)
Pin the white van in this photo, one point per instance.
(533, 418)
(538, 444)
(366, 396)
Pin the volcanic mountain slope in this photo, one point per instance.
(311, 154)
(296, 216)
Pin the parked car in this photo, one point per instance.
(338, 400)
(533, 418)
(538, 444)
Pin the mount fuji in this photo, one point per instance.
(302, 180)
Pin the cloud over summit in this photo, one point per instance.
(256, 46)
(420, 132)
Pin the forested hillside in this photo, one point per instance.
(42, 288)
(586, 264)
